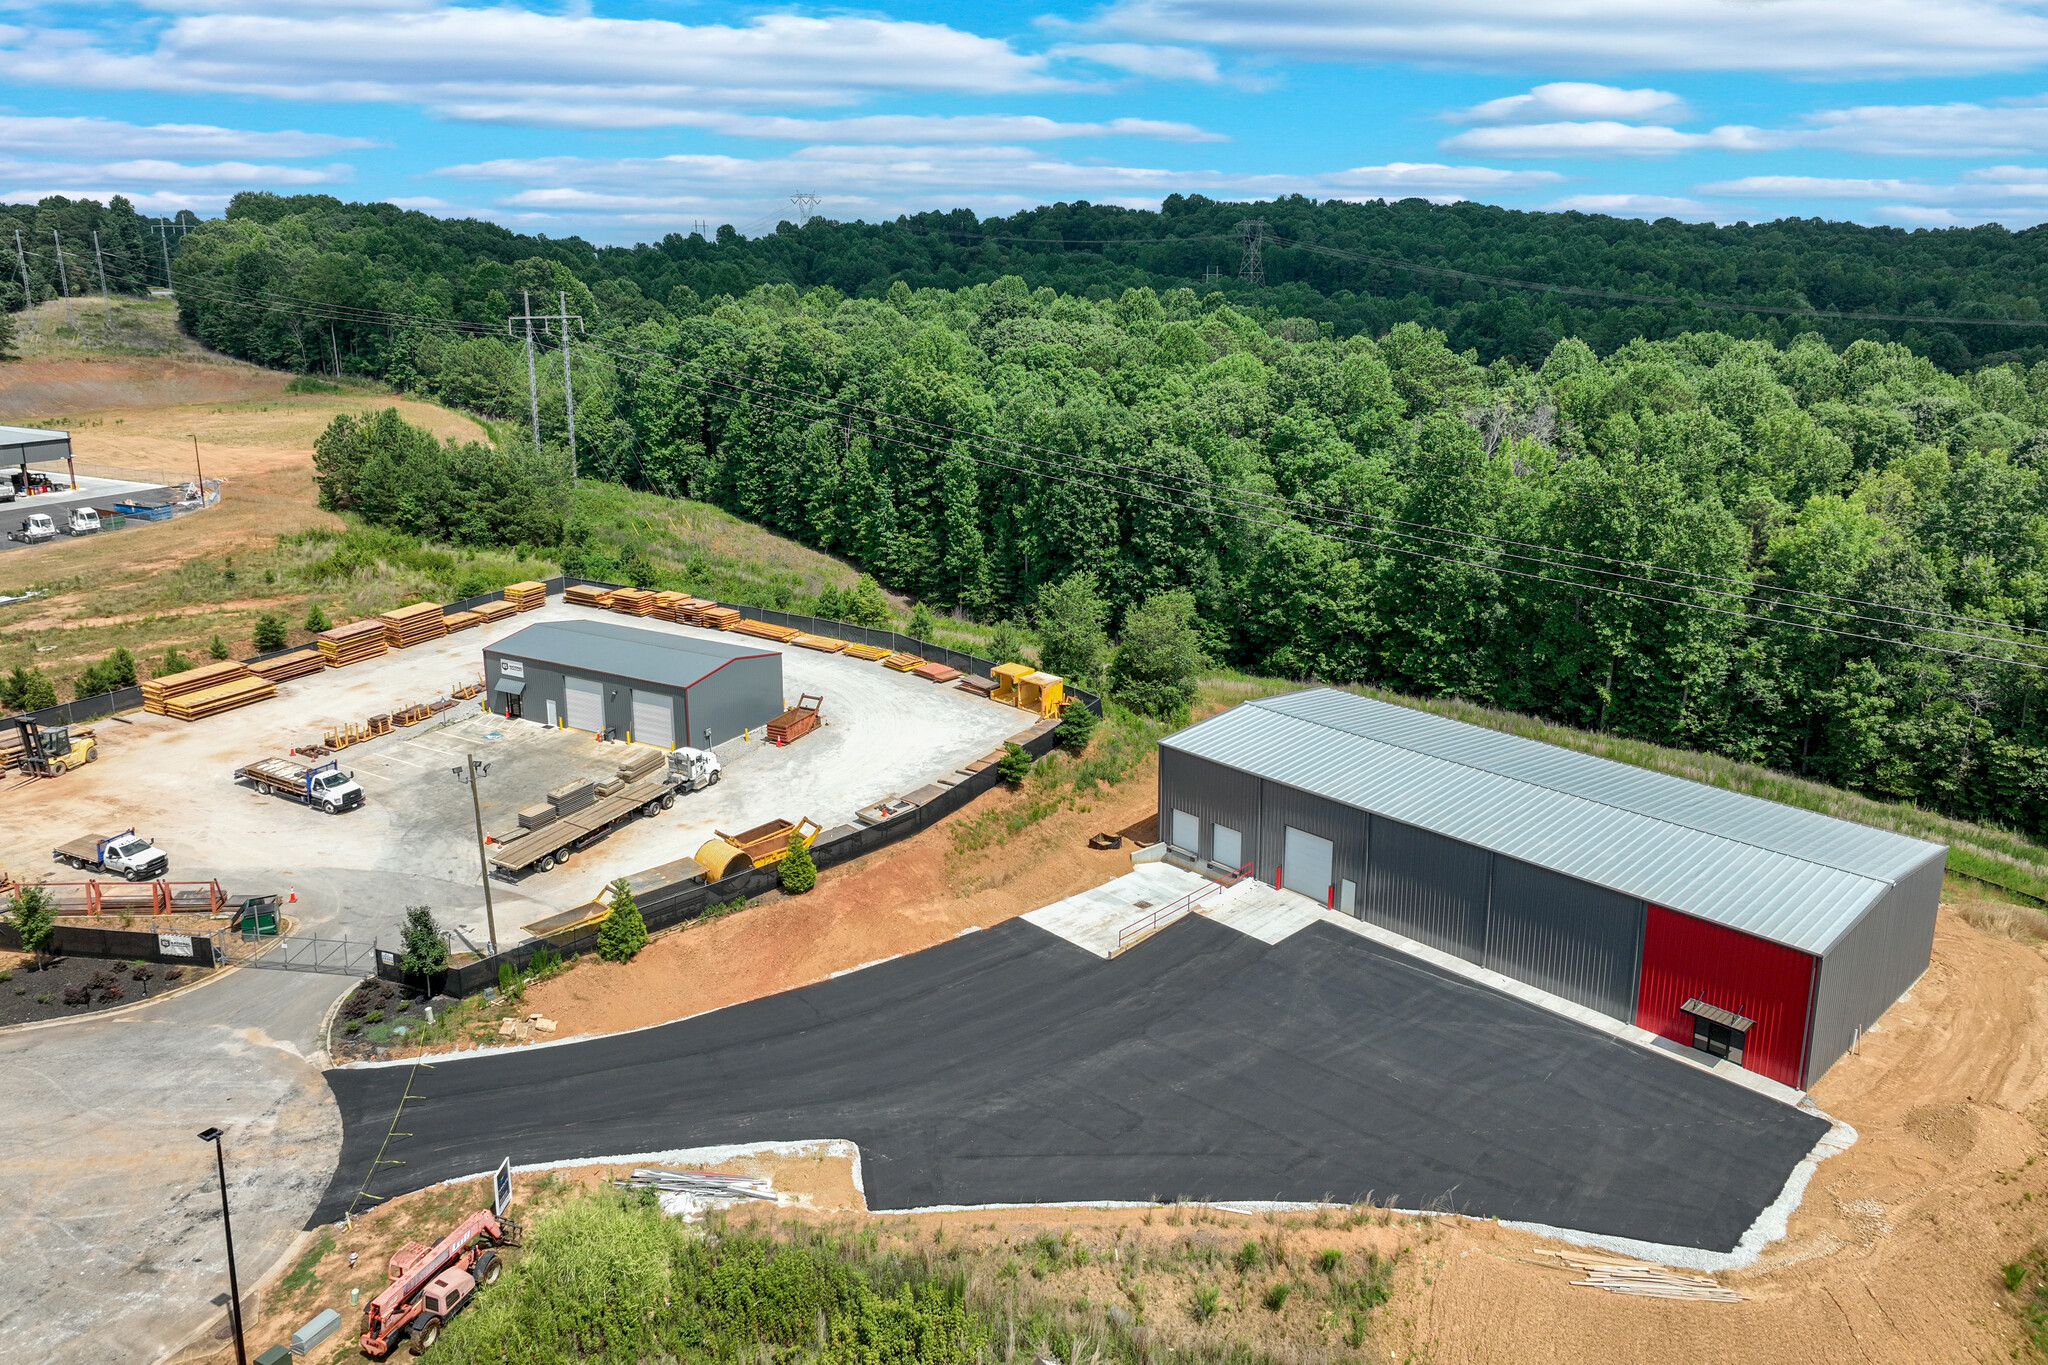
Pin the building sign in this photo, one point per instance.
(511, 668)
(174, 945)
(501, 1188)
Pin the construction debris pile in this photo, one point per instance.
(1618, 1275)
(689, 1194)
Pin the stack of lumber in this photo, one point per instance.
(588, 597)
(226, 696)
(351, 644)
(665, 603)
(978, 685)
(411, 714)
(526, 596)
(296, 664)
(871, 653)
(828, 644)
(903, 663)
(633, 601)
(641, 760)
(413, 625)
(537, 815)
(1619, 1275)
(782, 635)
(610, 787)
(689, 611)
(573, 796)
(379, 725)
(157, 693)
(494, 611)
(460, 620)
(936, 672)
(718, 618)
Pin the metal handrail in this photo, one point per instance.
(1174, 909)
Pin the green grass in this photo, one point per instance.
(302, 1278)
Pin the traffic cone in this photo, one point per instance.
(292, 898)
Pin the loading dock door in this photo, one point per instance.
(586, 704)
(1229, 847)
(654, 719)
(1186, 834)
(1308, 864)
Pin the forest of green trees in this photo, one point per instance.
(1764, 546)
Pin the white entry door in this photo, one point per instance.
(586, 704)
(654, 719)
(1307, 866)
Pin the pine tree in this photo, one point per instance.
(270, 633)
(316, 619)
(624, 931)
(799, 872)
(1015, 764)
(217, 648)
(1077, 727)
(34, 916)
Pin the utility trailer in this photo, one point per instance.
(541, 850)
(313, 784)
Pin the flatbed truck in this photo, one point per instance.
(543, 849)
(313, 784)
(126, 854)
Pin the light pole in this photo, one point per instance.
(214, 1135)
(476, 806)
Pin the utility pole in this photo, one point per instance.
(335, 347)
(220, 1161)
(163, 239)
(1253, 270)
(202, 473)
(63, 281)
(805, 204)
(28, 296)
(476, 805)
(568, 386)
(100, 263)
(532, 381)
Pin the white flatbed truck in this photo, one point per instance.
(323, 785)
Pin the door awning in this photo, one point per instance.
(1700, 1009)
(512, 687)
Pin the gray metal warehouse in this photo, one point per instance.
(658, 687)
(1754, 931)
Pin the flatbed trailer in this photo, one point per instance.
(552, 844)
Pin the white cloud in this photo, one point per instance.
(1147, 59)
(2014, 195)
(155, 203)
(106, 137)
(1821, 187)
(1820, 37)
(239, 174)
(1602, 138)
(1562, 100)
(921, 128)
(1959, 129)
(1630, 205)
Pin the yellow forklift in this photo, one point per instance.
(50, 750)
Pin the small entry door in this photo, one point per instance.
(554, 715)
(654, 719)
(1307, 866)
(586, 704)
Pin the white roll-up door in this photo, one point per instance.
(586, 704)
(1187, 832)
(1228, 846)
(1307, 865)
(654, 718)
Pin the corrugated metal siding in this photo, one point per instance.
(1684, 957)
(1874, 964)
(1760, 891)
(1428, 887)
(1343, 826)
(744, 694)
(1219, 795)
(1581, 942)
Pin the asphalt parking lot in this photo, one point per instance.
(1010, 1066)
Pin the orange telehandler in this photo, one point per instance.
(428, 1284)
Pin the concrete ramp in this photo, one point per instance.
(1092, 920)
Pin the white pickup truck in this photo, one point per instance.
(35, 529)
(126, 854)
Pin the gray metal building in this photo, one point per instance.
(1756, 931)
(656, 686)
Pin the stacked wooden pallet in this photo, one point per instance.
(978, 685)
(903, 663)
(158, 693)
(413, 625)
(633, 601)
(494, 611)
(227, 696)
(466, 691)
(296, 664)
(689, 611)
(718, 618)
(526, 596)
(936, 672)
(782, 635)
(582, 596)
(665, 603)
(824, 644)
(352, 643)
(460, 620)
(379, 725)
(411, 714)
(872, 653)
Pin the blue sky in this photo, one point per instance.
(622, 120)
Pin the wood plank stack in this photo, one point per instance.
(411, 714)
(537, 815)
(978, 685)
(665, 603)
(936, 672)
(573, 796)
(460, 620)
(872, 653)
(633, 601)
(690, 610)
(583, 596)
(903, 663)
(640, 760)
(1618, 1275)
(379, 725)
(824, 644)
(158, 693)
(526, 596)
(413, 625)
(494, 611)
(296, 664)
(352, 643)
(226, 696)
(718, 618)
(782, 635)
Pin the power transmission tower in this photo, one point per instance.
(28, 295)
(532, 381)
(1253, 270)
(100, 263)
(565, 317)
(163, 238)
(805, 204)
(63, 281)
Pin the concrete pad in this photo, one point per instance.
(1092, 919)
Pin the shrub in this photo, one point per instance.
(270, 632)
(1015, 764)
(6, 976)
(1153, 670)
(624, 931)
(1276, 1296)
(1329, 1260)
(34, 917)
(1006, 643)
(174, 662)
(216, 648)
(26, 689)
(110, 674)
(173, 973)
(1202, 1306)
(799, 872)
(110, 992)
(77, 993)
(426, 952)
(374, 1017)
(316, 619)
(1248, 1257)
(923, 624)
(43, 999)
(864, 604)
(1077, 727)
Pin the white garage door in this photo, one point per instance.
(586, 704)
(1186, 834)
(654, 719)
(1228, 845)
(1307, 868)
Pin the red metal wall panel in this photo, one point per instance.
(1684, 957)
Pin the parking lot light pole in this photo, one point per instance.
(214, 1135)
(477, 807)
